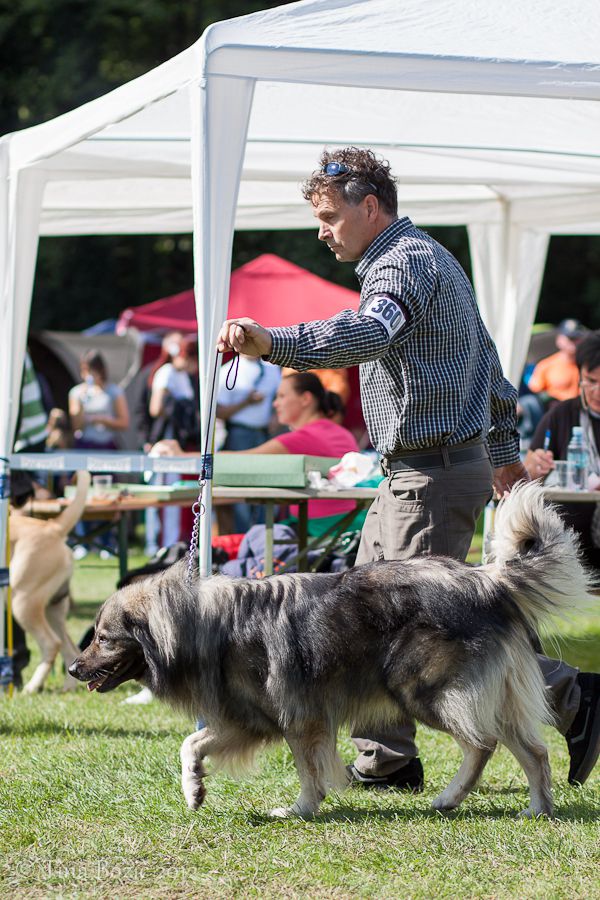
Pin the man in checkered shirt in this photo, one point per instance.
(434, 398)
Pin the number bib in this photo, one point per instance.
(386, 310)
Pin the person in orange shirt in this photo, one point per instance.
(557, 377)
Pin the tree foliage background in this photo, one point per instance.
(57, 55)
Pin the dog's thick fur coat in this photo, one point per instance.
(295, 656)
(41, 565)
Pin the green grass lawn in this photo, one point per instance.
(90, 807)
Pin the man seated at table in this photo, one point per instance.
(552, 436)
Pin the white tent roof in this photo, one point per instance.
(488, 113)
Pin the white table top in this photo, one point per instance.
(559, 495)
(293, 495)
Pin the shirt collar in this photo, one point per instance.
(382, 242)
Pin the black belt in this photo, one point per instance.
(436, 458)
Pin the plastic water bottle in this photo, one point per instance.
(577, 456)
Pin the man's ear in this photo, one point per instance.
(372, 206)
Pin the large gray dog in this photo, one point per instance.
(296, 656)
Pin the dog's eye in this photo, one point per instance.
(101, 639)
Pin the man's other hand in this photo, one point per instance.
(539, 462)
(505, 477)
(244, 336)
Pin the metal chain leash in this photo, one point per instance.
(198, 508)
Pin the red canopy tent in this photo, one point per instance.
(269, 289)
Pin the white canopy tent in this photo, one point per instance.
(488, 113)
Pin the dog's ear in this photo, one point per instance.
(140, 631)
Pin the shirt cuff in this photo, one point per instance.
(283, 349)
(505, 452)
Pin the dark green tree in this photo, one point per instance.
(57, 55)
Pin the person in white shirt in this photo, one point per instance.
(246, 410)
(172, 381)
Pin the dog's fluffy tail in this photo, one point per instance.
(538, 556)
(72, 513)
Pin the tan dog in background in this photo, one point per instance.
(41, 565)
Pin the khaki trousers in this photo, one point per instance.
(428, 512)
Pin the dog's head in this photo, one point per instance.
(121, 647)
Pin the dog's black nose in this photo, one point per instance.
(74, 668)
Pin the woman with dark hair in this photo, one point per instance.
(97, 408)
(173, 412)
(307, 408)
(98, 412)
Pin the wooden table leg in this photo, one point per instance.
(123, 538)
(302, 535)
(269, 517)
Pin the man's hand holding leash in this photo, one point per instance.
(245, 336)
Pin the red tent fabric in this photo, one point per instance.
(268, 289)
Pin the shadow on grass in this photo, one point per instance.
(29, 729)
(573, 812)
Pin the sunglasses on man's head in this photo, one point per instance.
(340, 168)
(336, 168)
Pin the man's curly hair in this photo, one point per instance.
(368, 175)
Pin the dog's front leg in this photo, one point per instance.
(193, 750)
(31, 616)
(319, 768)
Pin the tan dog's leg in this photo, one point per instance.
(56, 614)
(30, 613)
(319, 769)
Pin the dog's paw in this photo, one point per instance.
(292, 812)
(444, 803)
(530, 813)
(283, 812)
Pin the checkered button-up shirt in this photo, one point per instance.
(429, 371)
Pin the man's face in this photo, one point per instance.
(590, 386)
(347, 230)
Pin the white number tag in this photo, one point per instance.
(386, 311)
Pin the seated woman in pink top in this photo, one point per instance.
(303, 404)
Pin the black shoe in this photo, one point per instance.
(408, 778)
(583, 737)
